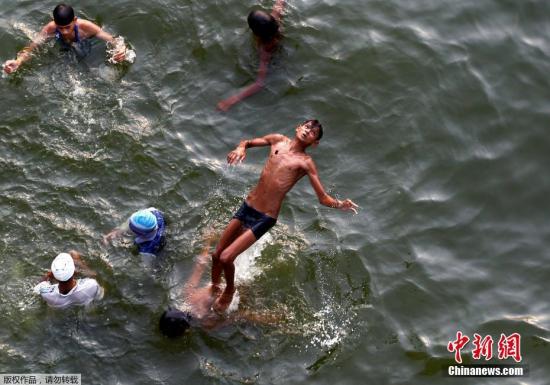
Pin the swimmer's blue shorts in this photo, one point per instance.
(254, 220)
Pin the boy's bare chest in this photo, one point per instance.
(282, 161)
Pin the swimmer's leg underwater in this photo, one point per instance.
(234, 240)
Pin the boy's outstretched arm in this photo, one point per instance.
(324, 198)
(265, 57)
(239, 153)
(96, 31)
(26, 53)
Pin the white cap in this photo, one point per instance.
(63, 267)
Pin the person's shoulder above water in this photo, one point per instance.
(43, 287)
(90, 287)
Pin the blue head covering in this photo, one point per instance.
(143, 222)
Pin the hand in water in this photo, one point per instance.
(236, 156)
(117, 51)
(348, 205)
(226, 104)
(119, 55)
(11, 66)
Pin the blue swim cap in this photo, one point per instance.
(143, 222)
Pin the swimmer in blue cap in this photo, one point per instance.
(148, 228)
(267, 30)
(69, 31)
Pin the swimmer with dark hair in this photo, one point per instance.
(198, 312)
(286, 164)
(69, 31)
(267, 30)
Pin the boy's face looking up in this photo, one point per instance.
(308, 132)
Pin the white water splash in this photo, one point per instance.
(245, 264)
(246, 269)
(331, 326)
(119, 45)
(25, 29)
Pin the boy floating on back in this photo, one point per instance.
(287, 164)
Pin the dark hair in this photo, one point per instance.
(63, 14)
(263, 25)
(173, 323)
(315, 124)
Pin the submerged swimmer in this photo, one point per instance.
(267, 30)
(69, 31)
(287, 164)
(148, 228)
(198, 301)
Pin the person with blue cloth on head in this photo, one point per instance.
(148, 228)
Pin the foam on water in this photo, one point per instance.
(31, 34)
(245, 264)
(331, 325)
(246, 269)
(119, 45)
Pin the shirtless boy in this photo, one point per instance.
(68, 30)
(267, 30)
(287, 164)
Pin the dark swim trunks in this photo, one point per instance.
(254, 220)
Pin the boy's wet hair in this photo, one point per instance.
(173, 323)
(263, 25)
(315, 124)
(63, 14)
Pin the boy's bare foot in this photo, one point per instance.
(222, 303)
(215, 290)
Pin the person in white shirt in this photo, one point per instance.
(68, 291)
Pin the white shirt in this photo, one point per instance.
(84, 292)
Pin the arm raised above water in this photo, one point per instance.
(239, 153)
(324, 198)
